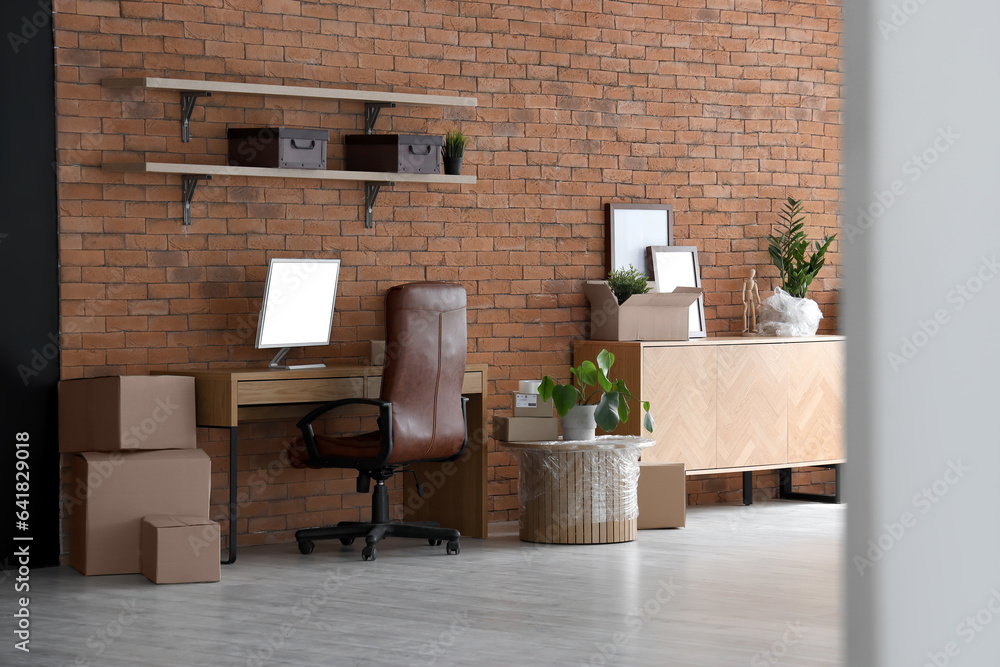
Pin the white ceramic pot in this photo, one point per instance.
(579, 423)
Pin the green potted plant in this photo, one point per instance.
(453, 151)
(788, 312)
(626, 282)
(606, 406)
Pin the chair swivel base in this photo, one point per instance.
(348, 531)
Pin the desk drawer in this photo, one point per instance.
(264, 392)
(471, 384)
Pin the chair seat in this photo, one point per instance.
(363, 446)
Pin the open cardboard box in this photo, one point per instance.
(653, 316)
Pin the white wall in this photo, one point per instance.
(923, 80)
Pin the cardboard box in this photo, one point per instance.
(128, 412)
(113, 491)
(180, 549)
(532, 405)
(662, 495)
(525, 429)
(653, 316)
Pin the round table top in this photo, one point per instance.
(601, 442)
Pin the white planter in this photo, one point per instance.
(579, 423)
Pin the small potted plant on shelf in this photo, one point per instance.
(626, 282)
(606, 406)
(788, 312)
(453, 151)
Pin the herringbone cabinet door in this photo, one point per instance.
(680, 383)
(753, 405)
(816, 402)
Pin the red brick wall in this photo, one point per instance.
(722, 108)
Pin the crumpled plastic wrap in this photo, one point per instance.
(580, 496)
(784, 315)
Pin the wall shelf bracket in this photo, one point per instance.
(188, 185)
(188, 100)
(372, 110)
(371, 194)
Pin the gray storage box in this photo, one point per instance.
(399, 153)
(277, 147)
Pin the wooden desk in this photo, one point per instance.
(455, 492)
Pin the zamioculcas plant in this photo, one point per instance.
(788, 251)
(612, 404)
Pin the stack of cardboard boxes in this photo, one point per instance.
(533, 419)
(141, 488)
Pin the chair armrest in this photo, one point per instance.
(384, 423)
(333, 405)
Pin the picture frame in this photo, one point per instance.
(631, 228)
(677, 266)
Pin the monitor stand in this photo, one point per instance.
(276, 362)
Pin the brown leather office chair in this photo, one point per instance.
(422, 413)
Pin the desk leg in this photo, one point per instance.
(233, 507)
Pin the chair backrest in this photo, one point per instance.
(425, 345)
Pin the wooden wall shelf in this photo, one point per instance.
(192, 89)
(192, 173)
(374, 101)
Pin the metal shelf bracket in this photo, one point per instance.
(188, 185)
(371, 194)
(188, 100)
(372, 110)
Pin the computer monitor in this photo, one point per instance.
(297, 310)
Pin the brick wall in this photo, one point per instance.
(720, 107)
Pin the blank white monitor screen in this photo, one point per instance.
(298, 302)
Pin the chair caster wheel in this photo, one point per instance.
(433, 543)
(368, 553)
(306, 546)
(453, 547)
(347, 541)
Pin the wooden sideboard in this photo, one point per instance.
(735, 404)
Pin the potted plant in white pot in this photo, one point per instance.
(789, 312)
(605, 407)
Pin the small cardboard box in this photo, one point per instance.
(113, 491)
(525, 429)
(662, 495)
(532, 405)
(653, 316)
(180, 549)
(127, 413)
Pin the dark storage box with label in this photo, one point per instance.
(277, 147)
(402, 153)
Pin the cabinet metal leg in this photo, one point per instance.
(748, 487)
(785, 487)
(233, 507)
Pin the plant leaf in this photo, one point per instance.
(545, 389)
(606, 414)
(586, 373)
(564, 397)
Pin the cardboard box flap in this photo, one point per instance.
(151, 455)
(598, 291)
(172, 520)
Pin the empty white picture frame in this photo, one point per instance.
(677, 266)
(630, 229)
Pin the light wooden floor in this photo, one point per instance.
(735, 583)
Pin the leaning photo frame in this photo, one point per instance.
(631, 228)
(677, 266)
